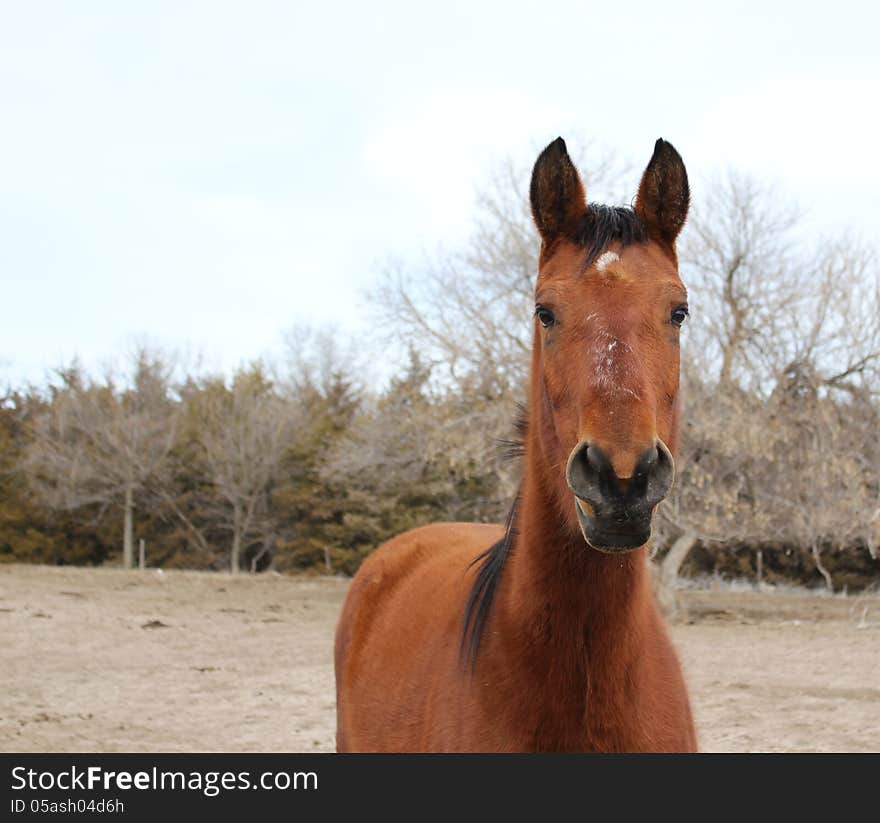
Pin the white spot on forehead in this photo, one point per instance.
(606, 260)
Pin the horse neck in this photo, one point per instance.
(569, 599)
(561, 584)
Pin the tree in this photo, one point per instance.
(101, 444)
(322, 375)
(243, 433)
(766, 301)
(417, 453)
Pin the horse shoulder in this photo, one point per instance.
(403, 608)
(395, 563)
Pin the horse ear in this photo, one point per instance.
(664, 196)
(556, 193)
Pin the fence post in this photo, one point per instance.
(142, 554)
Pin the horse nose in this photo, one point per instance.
(592, 478)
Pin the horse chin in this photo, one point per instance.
(606, 540)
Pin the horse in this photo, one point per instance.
(543, 635)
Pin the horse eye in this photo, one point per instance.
(679, 315)
(545, 316)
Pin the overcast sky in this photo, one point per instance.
(205, 175)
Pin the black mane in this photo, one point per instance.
(491, 561)
(479, 604)
(602, 225)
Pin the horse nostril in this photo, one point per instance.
(661, 473)
(583, 473)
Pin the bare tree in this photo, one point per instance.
(766, 298)
(738, 259)
(316, 358)
(833, 341)
(103, 443)
(242, 434)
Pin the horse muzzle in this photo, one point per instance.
(615, 513)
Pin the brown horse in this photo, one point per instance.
(550, 639)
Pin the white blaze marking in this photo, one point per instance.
(611, 366)
(606, 260)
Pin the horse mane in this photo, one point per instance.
(479, 603)
(603, 224)
(491, 561)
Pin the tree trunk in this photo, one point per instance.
(666, 573)
(817, 558)
(128, 530)
(258, 557)
(675, 557)
(235, 555)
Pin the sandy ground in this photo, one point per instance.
(107, 660)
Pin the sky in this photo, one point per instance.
(205, 176)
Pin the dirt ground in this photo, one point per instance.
(107, 660)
